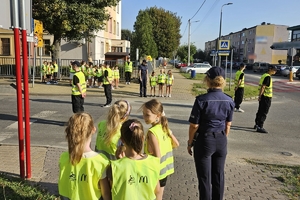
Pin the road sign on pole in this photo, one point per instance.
(38, 31)
(224, 45)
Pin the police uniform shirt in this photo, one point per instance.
(143, 69)
(241, 76)
(211, 111)
(75, 80)
(267, 81)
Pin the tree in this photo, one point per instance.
(165, 31)
(182, 52)
(126, 34)
(71, 19)
(199, 55)
(142, 38)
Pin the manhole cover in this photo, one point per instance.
(286, 154)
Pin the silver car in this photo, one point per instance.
(200, 68)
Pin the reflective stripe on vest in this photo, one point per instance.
(165, 146)
(128, 67)
(55, 68)
(169, 80)
(82, 83)
(107, 155)
(268, 92)
(237, 77)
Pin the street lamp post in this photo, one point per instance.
(226, 4)
(189, 40)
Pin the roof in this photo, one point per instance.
(117, 54)
(292, 28)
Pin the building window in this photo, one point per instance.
(102, 49)
(296, 35)
(5, 47)
(115, 27)
(243, 34)
(118, 8)
(243, 42)
(116, 49)
(110, 25)
(107, 47)
(118, 29)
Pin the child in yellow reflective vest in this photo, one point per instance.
(170, 82)
(109, 130)
(153, 83)
(136, 175)
(159, 140)
(82, 172)
(90, 74)
(161, 79)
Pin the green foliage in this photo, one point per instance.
(71, 19)
(182, 52)
(165, 32)
(126, 34)
(18, 189)
(142, 38)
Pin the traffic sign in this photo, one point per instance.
(223, 52)
(292, 51)
(38, 31)
(224, 44)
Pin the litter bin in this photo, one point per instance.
(193, 73)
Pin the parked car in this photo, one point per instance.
(280, 68)
(179, 65)
(249, 66)
(297, 74)
(286, 71)
(200, 68)
(260, 66)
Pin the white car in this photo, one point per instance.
(200, 68)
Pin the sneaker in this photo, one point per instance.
(235, 110)
(261, 130)
(107, 105)
(240, 110)
(169, 95)
(128, 83)
(255, 126)
(48, 83)
(100, 87)
(90, 86)
(112, 88)
(145, 96)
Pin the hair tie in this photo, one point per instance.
(163, 113)
(132, 125)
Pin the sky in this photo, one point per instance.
(241, 14)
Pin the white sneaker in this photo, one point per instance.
(106, 106)
(100, 87)
(240, 110)
(128, 83)
(169, 95)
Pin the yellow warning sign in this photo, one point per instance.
(38, 31)
(149, 58)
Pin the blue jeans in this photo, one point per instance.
(210, 152)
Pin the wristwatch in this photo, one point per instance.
(189, 145)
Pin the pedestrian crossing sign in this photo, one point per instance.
(224, 45)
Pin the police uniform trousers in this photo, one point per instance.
(210, 152)
(143, 86)
(238, 97)
(77, 103)
(263, 109)
(127, 76)
(107, 92)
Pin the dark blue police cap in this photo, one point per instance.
(76, 63)
(215, 71)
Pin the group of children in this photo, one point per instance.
(118, 168)
(49, 72)
(94, 73)
(161, 80)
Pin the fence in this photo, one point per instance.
(8, 67)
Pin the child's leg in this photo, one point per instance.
(170, 90)
(154, 91)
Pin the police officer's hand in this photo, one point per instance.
(83, 95)
(189, 148)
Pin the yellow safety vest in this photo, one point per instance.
(55, 68)
(82, 82)
(166, 151)
(268, 92)
(49, 70)
(44, 69)
(128, 67)
(72, 70)
(153, 81)
(237, 77)
(116, 74)
(135, 179)
(90, 71)
(170, 80)
(161, 78)
(110, 75)
(101, 147)
(81, 181)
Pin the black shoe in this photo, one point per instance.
(261, 130)
(140, 96)
(145, 96)
(255, 126)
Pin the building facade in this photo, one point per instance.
(253, 44)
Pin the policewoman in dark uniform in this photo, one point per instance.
(210, 122)
(143, 74)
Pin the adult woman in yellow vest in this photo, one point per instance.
(78, 89)
(161, 82)
(109, 129)
(239, 83)
(128, 71)
(170, 82)
(136, 175)
(107, 83)
(82, 172)
(264, 98)
(153, 83)
(159, 140)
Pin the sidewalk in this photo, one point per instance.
(243, 180)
